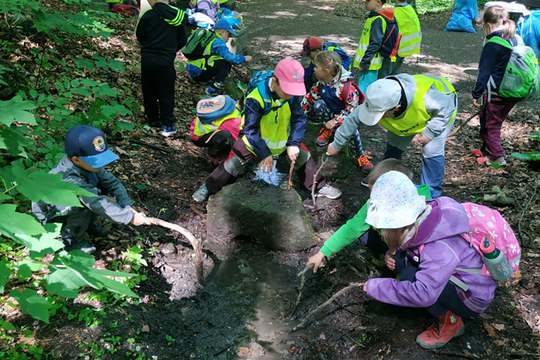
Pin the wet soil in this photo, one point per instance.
(249, 303)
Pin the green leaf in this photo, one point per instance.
(14, 223)
(4, 275)
(49, 188)
(529, 156)
(534, 136)
(16, 110)
(32, 304)
(45, 243)
(65, 282)
(6, 325)
(13, 141)
(26, 267)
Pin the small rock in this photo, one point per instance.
(145, 328)
(167, 249)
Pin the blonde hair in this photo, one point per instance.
(495, 15)
(328, 60)
(385, 166)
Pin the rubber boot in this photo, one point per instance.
(450, 326)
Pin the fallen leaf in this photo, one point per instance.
(499, 327)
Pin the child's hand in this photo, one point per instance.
(139, 219)
(248, 58)
(420, 140)
(389, 260)
(316, 261)
(330, 124)
(292, 152)
(266, 164)
(331, 151)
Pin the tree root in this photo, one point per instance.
(306, 321)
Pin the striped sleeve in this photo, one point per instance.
(178, 17)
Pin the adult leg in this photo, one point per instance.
(150, 90)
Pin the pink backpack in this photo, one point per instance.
(486, 222)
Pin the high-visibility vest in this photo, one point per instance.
(409, 27)
(363, 43)
(274, 125)
(416, 117)
(201, 129)
(208, 58)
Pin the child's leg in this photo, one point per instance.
(150, 90)
(396, 145)
(386, 68)
(222, 70)
(233, 167)
(166, 95)
(495, 113)
(307, 168)
(433, 163)
(75, 225)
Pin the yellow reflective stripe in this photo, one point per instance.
(275, 145)
(178, 19)
(411, 37)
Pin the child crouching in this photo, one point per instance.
(432, 258)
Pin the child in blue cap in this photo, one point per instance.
(217, 59)
(87, 155)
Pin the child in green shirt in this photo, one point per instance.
(353, 229)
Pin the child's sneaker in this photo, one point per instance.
(329, 192)
(201, 195)
(324, 137)
(364, 162)
(168, 130)
(498, 162)
(212, 91)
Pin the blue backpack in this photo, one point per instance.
(258, 80)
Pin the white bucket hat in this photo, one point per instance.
(381, 96)
(394, 202)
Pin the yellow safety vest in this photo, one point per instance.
(208, 58)
(409, 27)
(416, 117)
(201, 129)
(363, 43)
(274, 126)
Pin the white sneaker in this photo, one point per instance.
(201, 195)
(329, 192)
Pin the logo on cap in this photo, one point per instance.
(99, 143)
(296, 76)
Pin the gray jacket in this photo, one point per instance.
(440, 106)
(101, 183)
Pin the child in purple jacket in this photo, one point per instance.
(431, 258)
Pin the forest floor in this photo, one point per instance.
(245, 309)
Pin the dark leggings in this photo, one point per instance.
(158, 77)
(217, 73)
(406, 270)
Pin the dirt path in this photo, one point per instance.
(244, 309)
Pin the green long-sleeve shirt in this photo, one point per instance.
(356, 226)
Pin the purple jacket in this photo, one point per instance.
(443, 251)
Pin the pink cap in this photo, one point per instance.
(290, 74)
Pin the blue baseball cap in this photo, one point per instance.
(227, 25)
(88, 143)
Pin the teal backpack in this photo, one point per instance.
(521, 78)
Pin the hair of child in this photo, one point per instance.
(328, 60)
(385, 166)
(497, 15)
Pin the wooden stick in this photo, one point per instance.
(324, 158)
(305, 322)
(195, 243)
(455, 132)
(291, 171)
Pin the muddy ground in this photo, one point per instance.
(249, 304)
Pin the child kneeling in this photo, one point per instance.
(432, 258)
(333, 97)
(216, 126)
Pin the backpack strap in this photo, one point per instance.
(500, 41)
